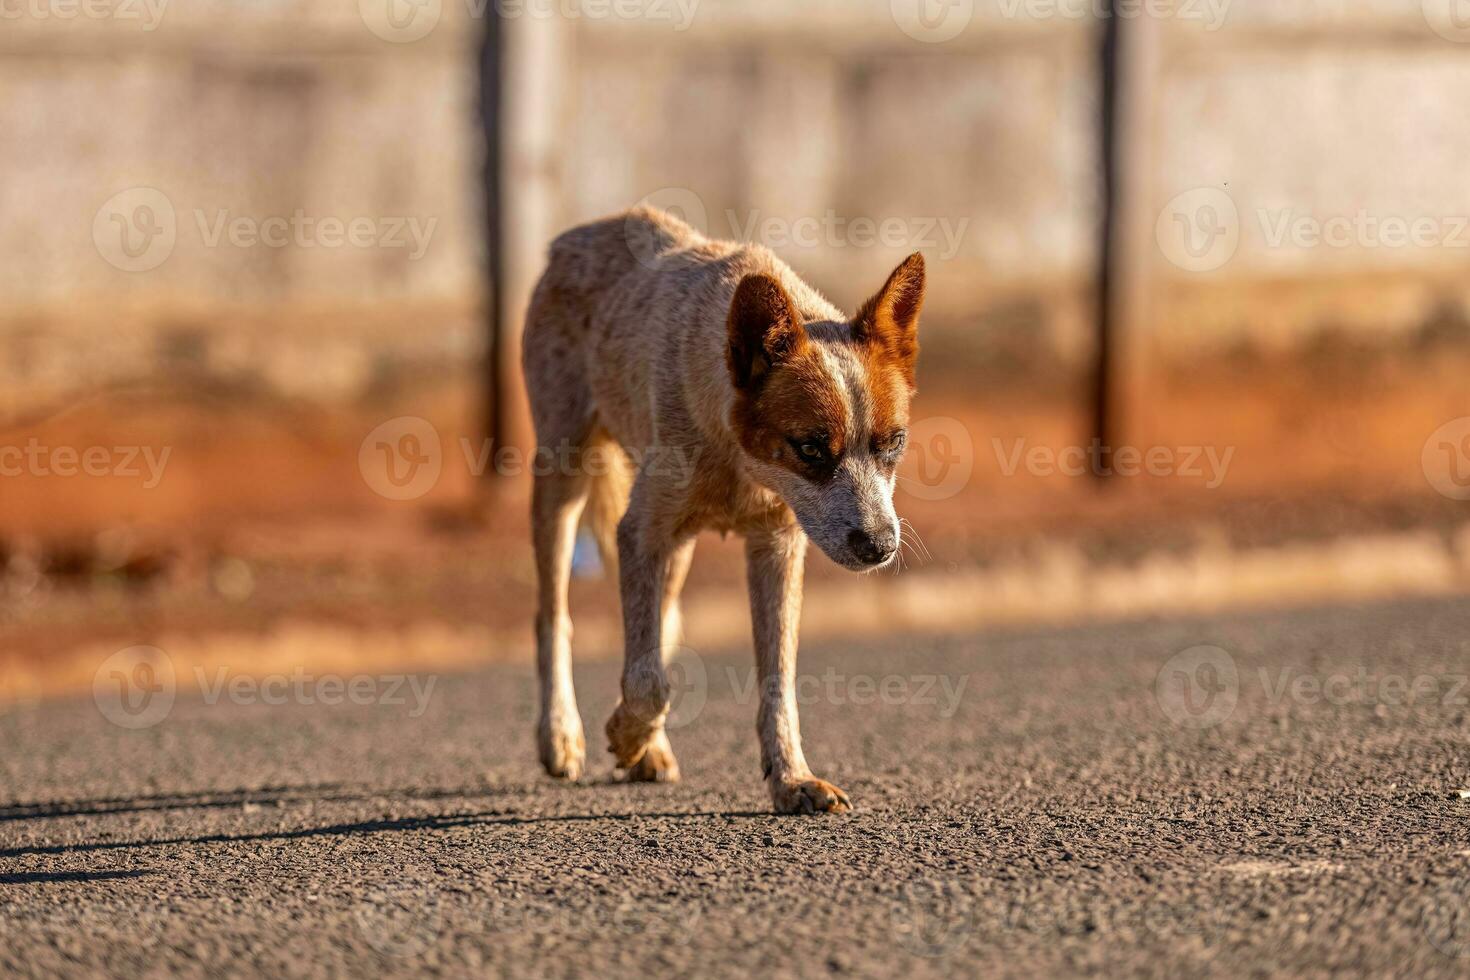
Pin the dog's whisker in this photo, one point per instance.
(914, 541)
(919, 541)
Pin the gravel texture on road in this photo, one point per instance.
(1244, 794)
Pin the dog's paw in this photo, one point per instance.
(629, 736)
(809, 795)
(563, 749)
(657, 765)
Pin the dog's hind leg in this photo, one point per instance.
(557, 502)
(565, 418)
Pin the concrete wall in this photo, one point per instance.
(845, 133)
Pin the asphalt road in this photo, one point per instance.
(1092, 800)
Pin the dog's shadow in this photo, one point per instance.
(220, 799)
(327, 792)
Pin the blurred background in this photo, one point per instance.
(1197, 330)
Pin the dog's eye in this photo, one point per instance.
(812, 450)
(890, 446)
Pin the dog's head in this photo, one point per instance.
(822, 409)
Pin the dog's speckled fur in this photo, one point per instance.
(752, 405)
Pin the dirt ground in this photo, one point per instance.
(269, 518)
(1237, 795)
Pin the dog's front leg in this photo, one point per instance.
(635, 732)
(774, 571)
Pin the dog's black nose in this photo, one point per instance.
(872, 549)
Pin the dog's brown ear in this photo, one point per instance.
(890, 320)
(765, 329)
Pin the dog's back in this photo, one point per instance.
(631, 308)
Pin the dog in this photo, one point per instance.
(645, 342)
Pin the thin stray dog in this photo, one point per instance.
(749, 403)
